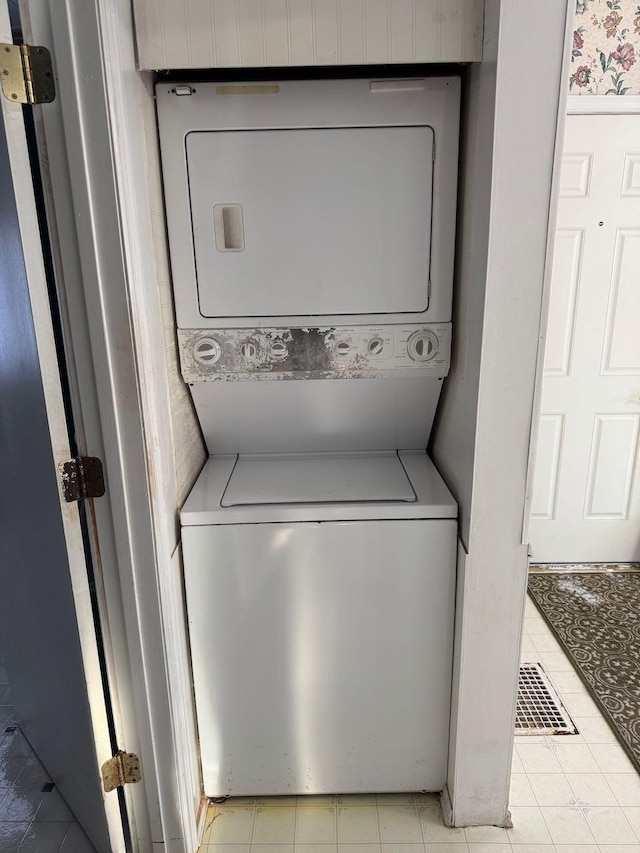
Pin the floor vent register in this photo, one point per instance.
(539, 710)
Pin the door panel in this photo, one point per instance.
(321, 654)
(586, 502)
(621, 354)
(38, 624)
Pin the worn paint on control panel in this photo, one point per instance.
(339, 352)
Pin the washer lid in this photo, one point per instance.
(301, 478)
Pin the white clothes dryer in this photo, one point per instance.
(326, 199)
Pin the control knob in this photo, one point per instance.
(279, 349)
(206, 351)
(423, 345)
(375, 346)
(249, 350)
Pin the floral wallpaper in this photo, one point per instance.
(605, 59)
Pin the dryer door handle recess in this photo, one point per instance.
(228, 226)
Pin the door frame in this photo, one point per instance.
(564, 104)
(52, 384)
(94, 44)
(76, 143)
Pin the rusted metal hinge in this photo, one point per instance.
(81, 478)
(122, 769)
(26, 74)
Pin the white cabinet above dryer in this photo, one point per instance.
(311, 199)
(275, 33)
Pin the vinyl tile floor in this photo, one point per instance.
(34, 818)
(569, 794)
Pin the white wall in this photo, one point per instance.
(175, 448)
(187, 447)
(453, 444)
(183, 445)
(482, 438)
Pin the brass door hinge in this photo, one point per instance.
(122, 769)
(26, 74)
(81, 478)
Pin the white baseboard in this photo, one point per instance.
(447, 812)
(447, 808)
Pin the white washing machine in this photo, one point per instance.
(320, 594)
(311, 227)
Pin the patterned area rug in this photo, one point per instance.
(596, 618)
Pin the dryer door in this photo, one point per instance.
(311, 221)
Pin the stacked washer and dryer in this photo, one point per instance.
(311, 228)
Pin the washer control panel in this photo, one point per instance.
(309, 352)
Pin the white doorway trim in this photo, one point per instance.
(509, 237)
(602, 104)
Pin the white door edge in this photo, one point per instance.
(43, 328)
(563, 100)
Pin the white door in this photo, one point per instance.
(586, 499)
(47, 630)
